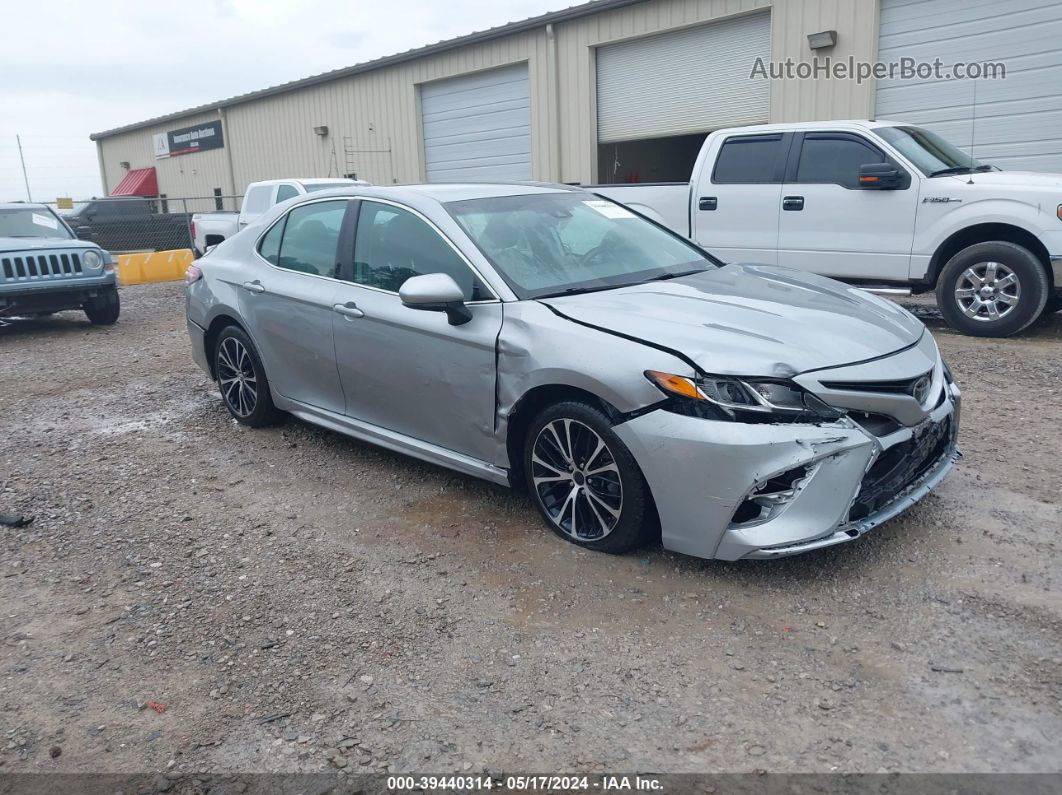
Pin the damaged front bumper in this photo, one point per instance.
(706, 474)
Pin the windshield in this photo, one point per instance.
(928, 151)
(554, 243)
(31, 222)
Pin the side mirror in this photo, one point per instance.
(880, 176)
(436, 292)
(83, 232)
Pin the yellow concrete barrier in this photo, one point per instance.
(154, 266)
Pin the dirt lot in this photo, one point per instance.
(300, 601)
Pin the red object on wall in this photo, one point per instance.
(138, 182)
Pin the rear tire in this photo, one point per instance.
(242, 379)
(992, 289)
(103, 310)
(585, 481)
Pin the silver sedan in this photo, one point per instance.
(548, 338)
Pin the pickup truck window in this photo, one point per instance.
(311, 238)
(928, 151)
(750, 159)
(285, 192)
(256, 201)
(834, 159)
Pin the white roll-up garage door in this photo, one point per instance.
(477, 127)
(690, 81)
(1018, 124)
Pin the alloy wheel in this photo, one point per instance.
(987, 291)
(577, 479)
(236, 377)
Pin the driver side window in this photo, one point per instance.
(393, 245)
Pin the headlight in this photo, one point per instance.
(743, 399)
(91, 259)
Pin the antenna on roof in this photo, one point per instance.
(973, 131)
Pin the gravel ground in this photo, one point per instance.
(197, 596)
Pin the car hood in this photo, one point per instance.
(751, 320)
(38, 243)
(1028, 179)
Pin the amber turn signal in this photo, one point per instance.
(675, 384)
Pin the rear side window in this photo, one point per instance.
(256, 201)
(311, 238)
(285, 192)
(749, 159)
(834, 160)
(269, 248)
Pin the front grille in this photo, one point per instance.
(901, 386)
(900, 466)
(34, 267)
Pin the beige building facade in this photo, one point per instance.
(609, 91)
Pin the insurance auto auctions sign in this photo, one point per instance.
(188, 140)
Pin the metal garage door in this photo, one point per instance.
(477, 127)
(1019, 120)
(691, 81)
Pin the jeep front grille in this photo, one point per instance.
(34, 267)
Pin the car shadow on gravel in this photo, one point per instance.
(13, 328)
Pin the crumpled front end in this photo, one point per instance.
(733, 490)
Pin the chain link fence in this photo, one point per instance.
(124, 225)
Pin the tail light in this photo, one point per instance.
(191, 231)
(193, 274)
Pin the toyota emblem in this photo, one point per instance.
(920, 388)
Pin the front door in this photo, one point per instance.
(831, 226)
(289, 300)
(736, 200)
(409, 370)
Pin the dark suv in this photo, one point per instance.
(129, 224)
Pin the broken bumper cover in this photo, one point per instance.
(197, 335)
(701, 471)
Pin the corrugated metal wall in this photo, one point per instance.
(185, 175)
(376, 114)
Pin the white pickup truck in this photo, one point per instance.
(877, 204)
(209, 229)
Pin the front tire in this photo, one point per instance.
(585, 482)
(242, 379)
(103, 310)
(992, 289)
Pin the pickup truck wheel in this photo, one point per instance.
(992, 289)
(103, 310)
(242, 380)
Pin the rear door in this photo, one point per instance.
(830, 225)
(289, 302)
(737, 197)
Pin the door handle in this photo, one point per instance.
(707, 203)
(793, 203)
(349, 309)
(254, 287)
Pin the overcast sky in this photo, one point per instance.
(71, 68)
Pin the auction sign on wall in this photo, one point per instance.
(188, 140)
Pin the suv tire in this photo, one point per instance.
(103, 310)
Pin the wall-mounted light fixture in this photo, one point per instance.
(321, 130)
(124, 164)
(822, 40)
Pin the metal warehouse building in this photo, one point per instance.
(611, 91)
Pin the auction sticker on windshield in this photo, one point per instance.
(44, 220)
(609, 209)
